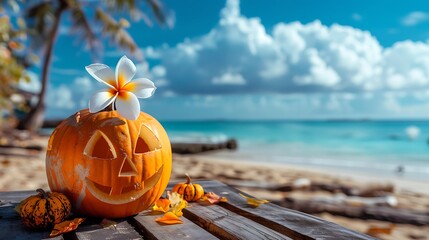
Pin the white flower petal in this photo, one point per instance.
(128, 105)
(102, 73)
(100, 100)
(125, 71)
(142, 87)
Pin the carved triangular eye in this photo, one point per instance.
(147, 141)
(99, 146)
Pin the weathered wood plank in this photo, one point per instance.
(228, 225)
(145, 223)
(91, 229)
(14, 196)
(294, 224)
(12, 228)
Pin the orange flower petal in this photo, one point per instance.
(161, 205)
(169, 218)
(66, 226)
(254, 201)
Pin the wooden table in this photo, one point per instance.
(234, 219)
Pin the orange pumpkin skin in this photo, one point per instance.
(191, 192)
(109, 166)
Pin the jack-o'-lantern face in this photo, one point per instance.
(107, 165)
(101, 150)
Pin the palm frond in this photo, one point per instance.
(115, 31)
(39, 19)
(157, 10)
(83, 26)
(132, 8)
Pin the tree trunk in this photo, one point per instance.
(34, 119)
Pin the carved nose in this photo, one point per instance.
(128, 168)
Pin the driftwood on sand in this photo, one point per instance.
(16, 143)
(303, 183)
(375, 202)
(382, 213)
(198, 147)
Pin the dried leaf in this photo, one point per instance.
(177, 208)
(377, 230)
(161, 205)
(254, 201)
(177, 203)
(107, 223)
(66, 226)
(213, 198)
(174, 198)
(169, 218)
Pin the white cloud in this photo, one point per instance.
(61, 97)
(64, 100)
(406, 66)
(292, 106)
(414, 18)
(229, 79)
(319, 72)
(294, 57)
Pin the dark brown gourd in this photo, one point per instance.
(44, 209)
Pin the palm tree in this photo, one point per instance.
(44, 18)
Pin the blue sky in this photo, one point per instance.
(274, 59)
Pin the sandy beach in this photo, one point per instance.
(256, 178)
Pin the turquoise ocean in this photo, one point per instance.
(375, 147)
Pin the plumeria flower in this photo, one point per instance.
(122, 91)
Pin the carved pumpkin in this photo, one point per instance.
(107, 165)
(44, 209)
(191, 192)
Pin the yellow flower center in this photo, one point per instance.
(121, 88)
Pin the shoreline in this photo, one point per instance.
(403, 181)
(401, 184)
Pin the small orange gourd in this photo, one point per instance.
(44, 209)
(191, 192)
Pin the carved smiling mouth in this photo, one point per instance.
(128, 195)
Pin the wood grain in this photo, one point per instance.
(146, 225)
(291, 223)
(121, 230)
(228, 225)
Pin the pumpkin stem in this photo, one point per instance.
(188, 178)
(44, 194)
